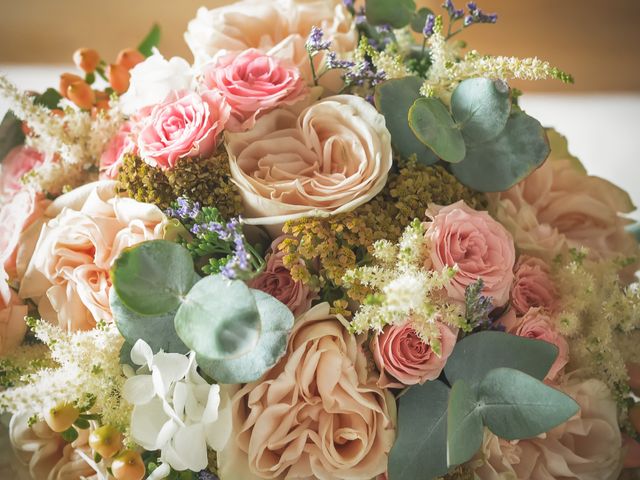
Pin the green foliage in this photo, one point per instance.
(11, 134)
(420, 19)
(70, 435)
(393, 99)
(397, 13)
(422, 427)
(464, 424)
(50, 98)
(432, 124)
(150, 41)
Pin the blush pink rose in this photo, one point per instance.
(12, 312)
(538, 325)
(121, 144)
(23, 210)
(186, 124)
(478, 245)
(403, 358)
(533, 286)
(15, 165)
(253, 83)
(276, 281)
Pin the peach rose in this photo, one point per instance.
(331, 158)
(478, 245)
(316, 414)
(68, 273)
(121, 144)
(12, 312)
(186, 124)
(586, 447)
(533, 286)
(277, 27)
(276, 281)
(537, 324)
(24, 209)
(47, 455)
(252, 83)
(405, 359)
(19, 161)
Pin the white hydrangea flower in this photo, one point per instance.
(175, 410)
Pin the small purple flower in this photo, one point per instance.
(454, 13)
(334, 62)
(429, 25)
(349, 4)
(361, 16)
(478, 16)
(315, 42)
(206, 475)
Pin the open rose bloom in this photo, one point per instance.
(328, 245)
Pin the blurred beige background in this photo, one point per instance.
(596, 41)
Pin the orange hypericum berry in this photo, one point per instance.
(25, 128)
(106, 440)
(57, 112)
(61, 417)
(86, 59)
(128, 466)
(118, 78)
(81, 94)
(129, 58)
(67, 79)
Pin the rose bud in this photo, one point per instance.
(86, 59)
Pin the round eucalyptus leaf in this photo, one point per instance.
(481, 106)
(219, 318)
(432, 123)
(393, 99)
(277, 322)
(497, 165)
(397, 13)
(515, 405)
(420, 19)
(157, 330)
(152, 277)
(464, 424)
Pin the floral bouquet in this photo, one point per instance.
(333, 247)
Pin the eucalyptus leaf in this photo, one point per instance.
(152, 278)
(476, 355)
(276, 323)
(11, 134)
(150, 41)
(397, 13)
(464, 424)
(432, 123)
(515, 405)
(420, 449)
(420, 19)
(219, 319)
(393, 99)
(70, 435)
(125, 355)
(481, 106)
(500, 163)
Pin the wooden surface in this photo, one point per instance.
(597, 41)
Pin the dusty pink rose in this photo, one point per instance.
(253, 83)
(18, 162)
(537, 324)
(121, 144)
(186, 124)
(276, 281)
(478, 245)
(632, 452)
(12, 312)
(403, 358)
(533, 286)
(316, 414)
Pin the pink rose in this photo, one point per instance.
(538, 325)
(403, 358)
(16, 164)
(276, 281)
(253, 82)
(533, 286)
(121, 144)
(186, 124)
(22, 210)
(478, 245)
(12, 312)
(632, 452)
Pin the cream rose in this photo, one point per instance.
(68, 273)
(332, 157)
(12, 312)
(316, 414)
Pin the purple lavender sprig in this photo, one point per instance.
(477, 306)
(454, 13)
(429, 26)
(315, 43)
(478, 16)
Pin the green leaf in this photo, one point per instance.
(158, 331)
(420, 19)
(397, 13)
(516, 406)
(82, 423)
(500, 163)
(393, 99)
(151, 40)
(153, 277)
(476, 355)
(420, 449)
(11, 134)
(219, 319)
(125, 355)
(432, 123)
(276, 323)
(464, 424)
(482, 107)
(70, 435)
(50, 98)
